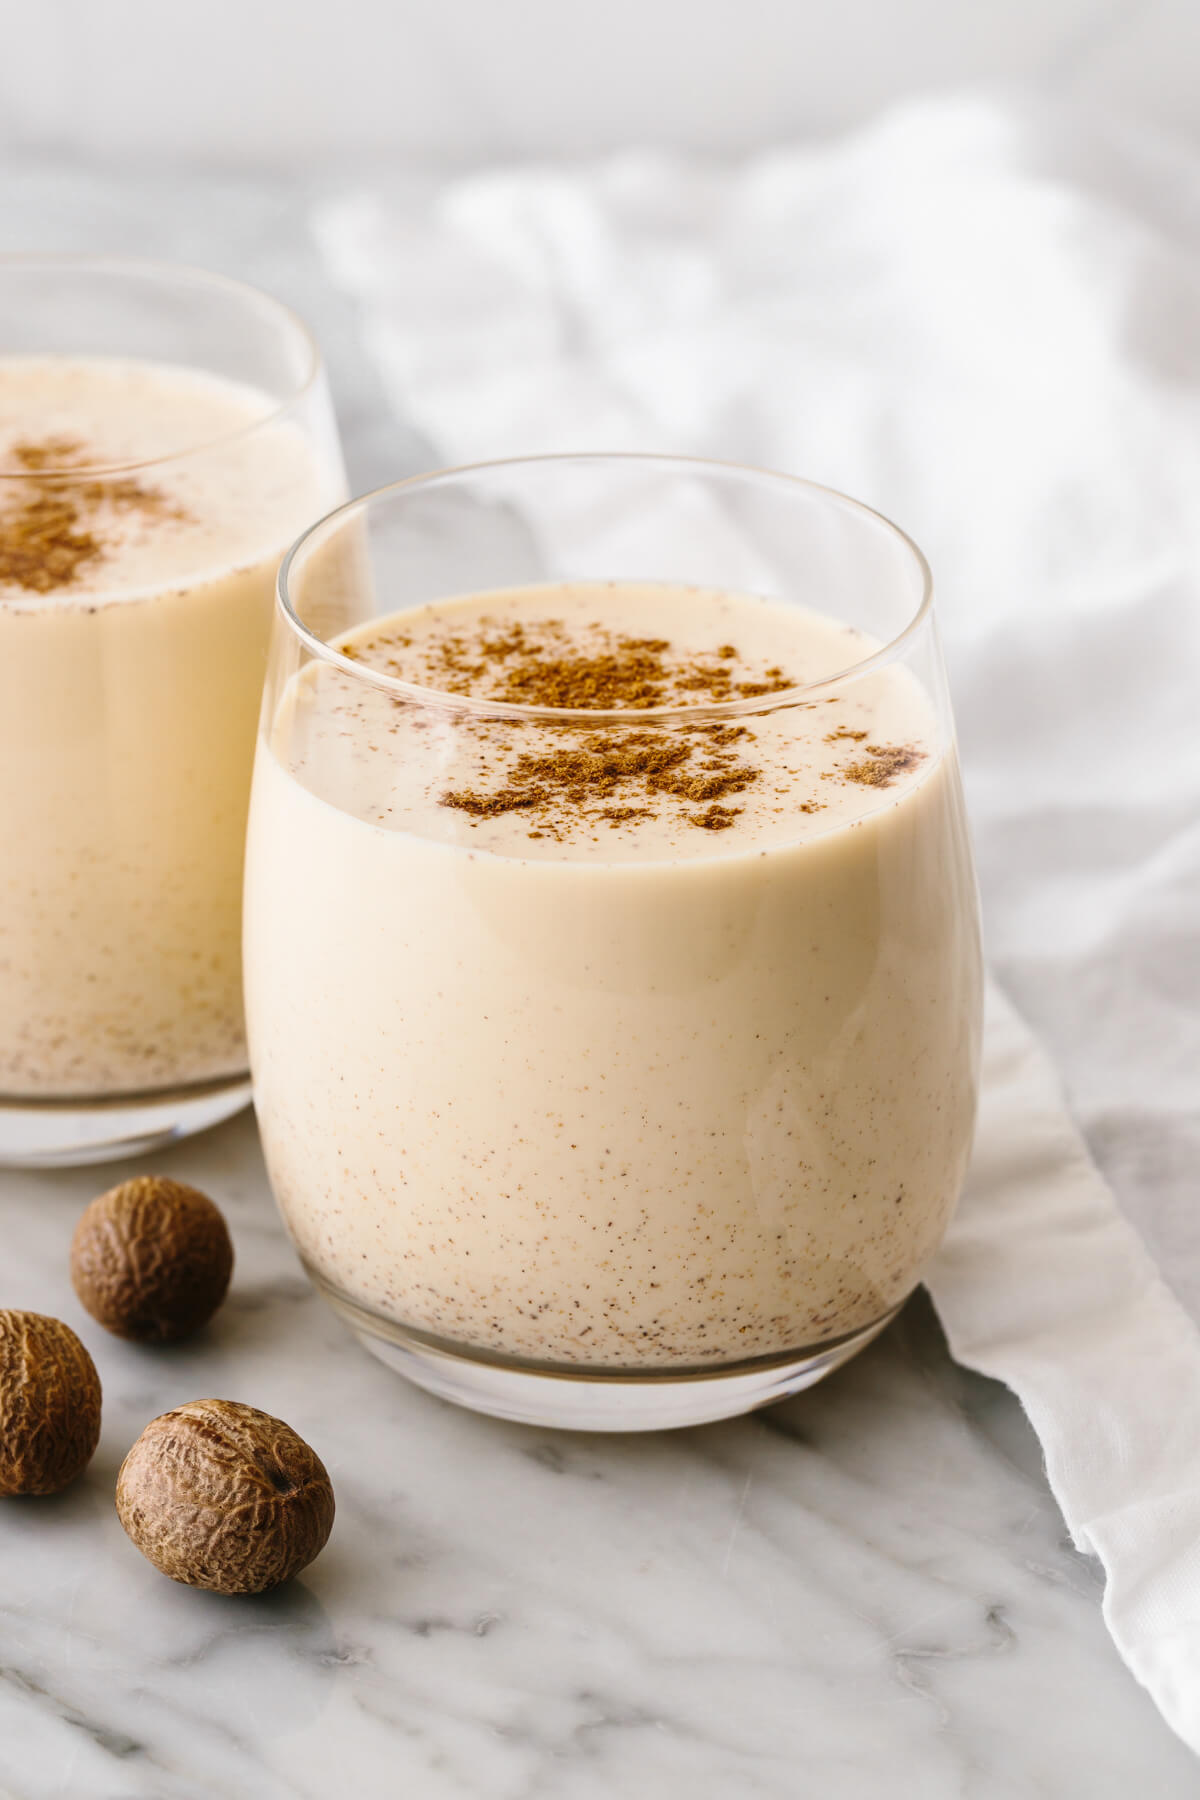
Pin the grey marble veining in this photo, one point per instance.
(866, 1591)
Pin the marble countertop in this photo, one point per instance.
(867, 1590)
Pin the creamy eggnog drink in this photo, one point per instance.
(143, 511)
(642, 1042)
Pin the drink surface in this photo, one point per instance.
(166, 473)
(135, 600)
(630, 1043)
(628, 787)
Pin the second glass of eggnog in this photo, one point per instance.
(612, 955)
(164, 435)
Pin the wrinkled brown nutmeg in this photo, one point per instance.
(221, 1496)
(49, 1404)
(151, 1259)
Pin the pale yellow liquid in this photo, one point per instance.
(624, 1095)
(128, 701)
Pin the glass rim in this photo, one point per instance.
(164, 269)
(480, 706)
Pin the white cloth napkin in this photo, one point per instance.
(1043, 1284)
(985, 320)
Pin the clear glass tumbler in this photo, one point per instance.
(164, 435)
(612, 953)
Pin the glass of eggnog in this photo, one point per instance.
(612, 947)
(164, 434)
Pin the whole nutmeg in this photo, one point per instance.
(222, 1496)
(49, 1404)
(151, 1259)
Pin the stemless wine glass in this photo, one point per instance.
(164, 434)
(578, 1113)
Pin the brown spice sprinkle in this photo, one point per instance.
(613, 777)
(540, 665)
(617, 777)
(601, 766)
(882, 764)
(47, 539)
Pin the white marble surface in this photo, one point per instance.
(305, 84)
(867, 1591)
(864, 1591)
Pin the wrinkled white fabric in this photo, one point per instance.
(984, 319)
(1044, 1284)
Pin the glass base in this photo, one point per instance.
(60, 1134)
(600, 1400)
